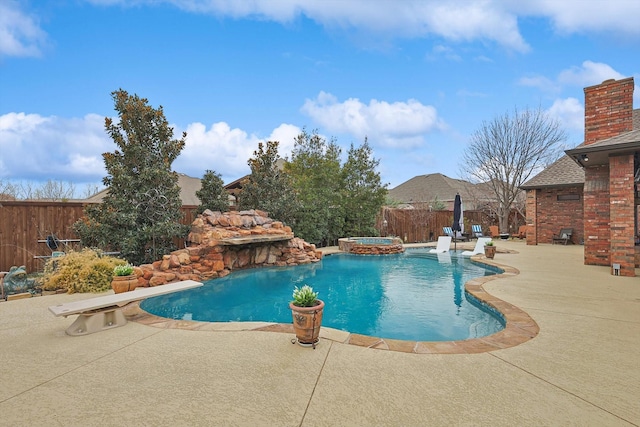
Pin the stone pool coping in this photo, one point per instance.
(520, 327)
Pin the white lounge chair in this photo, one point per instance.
(479, 249)
(444, 243)
(444, 257)
(104, 312)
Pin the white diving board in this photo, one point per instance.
(104, 312)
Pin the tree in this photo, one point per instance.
(363, 191)
(315, 174)
(506, 151)
(90, 190)
(140, 216)
(213, 195)
(268, 188)
(8, 191)
(437, 205)
(54, 190)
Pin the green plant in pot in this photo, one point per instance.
(306, 310)
(489, 249)
(123, 278)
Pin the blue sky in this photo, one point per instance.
(414, 77)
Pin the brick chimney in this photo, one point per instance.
(608, 109)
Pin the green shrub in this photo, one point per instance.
(80, 271)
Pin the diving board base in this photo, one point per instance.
(104, 312)
(88, 323)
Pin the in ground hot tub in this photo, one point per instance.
(371, 245)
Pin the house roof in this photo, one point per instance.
(564, 172)
(599, 152)
(568, 170)
(188, 187)
(426, 188)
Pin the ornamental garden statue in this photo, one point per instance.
(17, 282)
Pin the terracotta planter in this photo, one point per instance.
(306, 323)
(489, 251)
(124, 283)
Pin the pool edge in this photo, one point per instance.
(519, 326)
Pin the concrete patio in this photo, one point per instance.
(583, 368)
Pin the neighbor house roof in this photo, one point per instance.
(427, 188)
(188, 187)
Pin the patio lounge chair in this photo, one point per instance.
(444, 258)
(449, 232)
(479, 249)
(494, 231)
(444, 243)
(476, 231)
(564, 236)
(521, 234)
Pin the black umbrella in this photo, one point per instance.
(457, 212)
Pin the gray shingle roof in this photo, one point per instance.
(562, 172)
(623, 138)
(426, 188)
(566, 172)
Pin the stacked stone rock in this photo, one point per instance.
(376, 249)
(222, 242)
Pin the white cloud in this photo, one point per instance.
(225, 150)
(575, 16)
(588, 74)
(20, 34)
(398, 124)
(450, 19)
(570, 112)
(35, 147)
(493, 20)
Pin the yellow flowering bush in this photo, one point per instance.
(80, 271)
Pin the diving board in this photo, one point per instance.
(104, 312)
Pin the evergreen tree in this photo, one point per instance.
(363, 191)
(315, 172)
(268, 188)
(213, 195)
(140, 216)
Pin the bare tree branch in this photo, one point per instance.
(505, 152)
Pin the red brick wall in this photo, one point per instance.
(532, 217)
(558, 214)
(621, 190)
(596, 215)
(608, 109)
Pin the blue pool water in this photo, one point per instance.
(373, 240)
(410, 296)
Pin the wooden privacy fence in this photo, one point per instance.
(423, 225)
(24, 223)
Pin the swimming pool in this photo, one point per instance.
(410, 296)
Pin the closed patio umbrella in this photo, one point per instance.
(457, 219)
